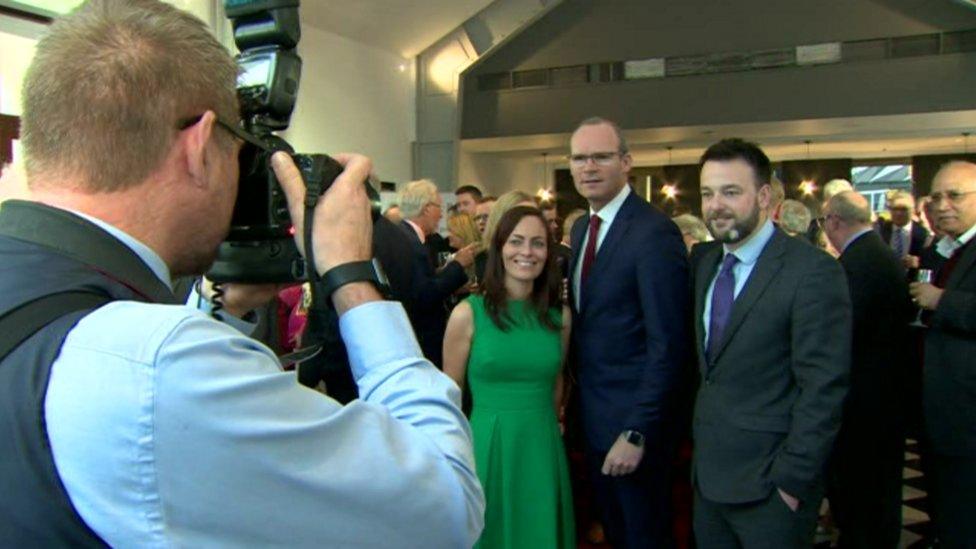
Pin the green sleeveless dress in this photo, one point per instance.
(518, 450)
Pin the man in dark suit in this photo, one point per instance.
(906, 238)
(773, 333)
(949, 386)
(630, 332)
(865, 476)
(421, 206)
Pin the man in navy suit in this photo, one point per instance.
(631, 308)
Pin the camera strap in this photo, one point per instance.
(69, 235)
(19, 324)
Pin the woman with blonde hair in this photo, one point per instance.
(462, 231)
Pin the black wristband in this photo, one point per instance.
(356, 271)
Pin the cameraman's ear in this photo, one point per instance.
(195, 140)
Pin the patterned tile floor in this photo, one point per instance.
(916, 528)
(915, 533)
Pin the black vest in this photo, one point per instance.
(45, 250)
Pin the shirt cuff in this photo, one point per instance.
(377, 333)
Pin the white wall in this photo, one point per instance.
(352, 97)
(497, 174)
(17, 41)
(355, 98)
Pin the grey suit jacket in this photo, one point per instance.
(949, 387)
(770, 401)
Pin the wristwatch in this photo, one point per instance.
(634, 437)
(357, 271)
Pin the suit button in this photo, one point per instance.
(708, 381)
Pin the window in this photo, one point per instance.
(874, 181)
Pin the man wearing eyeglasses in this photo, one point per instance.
(135, 421)
(629, 281)
(864, 480)
(949, 387)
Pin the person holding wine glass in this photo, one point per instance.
(510, 344)
(949, 384)
(865, 474)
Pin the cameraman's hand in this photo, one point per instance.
(343, 230)
(240, 299)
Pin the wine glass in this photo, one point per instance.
(924, 276)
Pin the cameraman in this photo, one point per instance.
(143, 422)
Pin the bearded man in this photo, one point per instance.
(772, 316)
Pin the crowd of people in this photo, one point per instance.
(527, 380)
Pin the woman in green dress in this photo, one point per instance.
(509, 343)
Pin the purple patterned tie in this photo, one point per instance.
(722, 297)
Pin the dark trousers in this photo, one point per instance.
(635, 508)
(768, 523)
(954, 498)
(864, 485)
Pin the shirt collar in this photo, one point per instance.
(145, 253)
(907, 228)
(965, 237)
(749, 252)
(418, 230)
(854, 237)
(609, 212)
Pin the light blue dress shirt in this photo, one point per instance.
(748, 255)
(170, 429)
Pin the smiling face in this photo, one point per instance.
(599, 169)
(732, 205)
(525, 250)
(954, 198)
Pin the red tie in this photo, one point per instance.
(590, 253)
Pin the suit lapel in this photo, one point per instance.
(769, 263)
(621, 222)
(703, 278)
(575, 242)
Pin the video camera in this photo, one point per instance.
(260, 247)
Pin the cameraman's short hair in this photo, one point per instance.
(414, 196)
(109, 84)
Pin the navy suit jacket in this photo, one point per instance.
(631, 334)
(428, 312)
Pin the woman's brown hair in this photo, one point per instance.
(545, 288)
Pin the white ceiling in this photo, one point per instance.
(403, 27)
